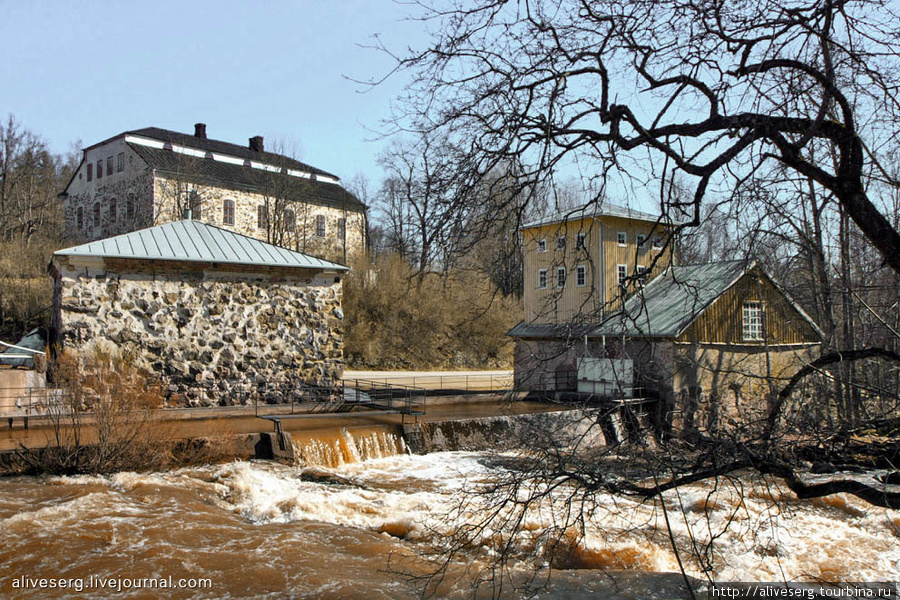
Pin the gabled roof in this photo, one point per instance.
(193, 241)
(223, 174)
(667, 305)
(602, 209)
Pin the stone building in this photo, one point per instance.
(152, 176)
(205, 309)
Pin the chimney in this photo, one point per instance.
(256, 143)
(200, 130)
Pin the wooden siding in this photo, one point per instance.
(600, 256)
(722, 322)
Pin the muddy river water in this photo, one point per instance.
(256, 529)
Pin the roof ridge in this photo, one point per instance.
(206, 143)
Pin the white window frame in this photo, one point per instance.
(542, 245)
(639, 241)
(753, 321)
(656, 242)
(560, 242)
(561, 276)
(581, 276)
(542, 279)
(320, 226)
(580, 240)
(622, 238)
(621, 274)
(641, 272)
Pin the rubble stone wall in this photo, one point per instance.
(212, 334)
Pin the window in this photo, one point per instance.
(622, 238)
(112, 211)
(99, 169)
(129, 210)
(581, 276)
(79, 218)
(262, 217)
(560, 242)
(228, 212)
(109, 165)
(120, 162)
(342, 229)
(196, 204)
(320, 225)
(642, 274)
(622, 273)
(96, 214)
(290, 221)
(90, 171)
(579, 241)
(753, 321)
(657, 242)
(542, 245)
(640, 239)
(542, 279)
(560, 277)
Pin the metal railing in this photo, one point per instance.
(472, 383)
(350, 394)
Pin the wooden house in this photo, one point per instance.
(712, 341)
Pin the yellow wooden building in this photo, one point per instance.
(578, 264)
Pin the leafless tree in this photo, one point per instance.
(751, 109)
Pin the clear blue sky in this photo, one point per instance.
(90, 70)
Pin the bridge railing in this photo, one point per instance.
(349, 394)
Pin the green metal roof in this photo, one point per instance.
(668, 304)
(195, 241)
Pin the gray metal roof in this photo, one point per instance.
(668, 304)
(603, 209)
(195, 241)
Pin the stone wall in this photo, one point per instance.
(302, 238)
(113, 192)
(212, 335)
(716, 384)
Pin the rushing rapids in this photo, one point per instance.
(256, 528)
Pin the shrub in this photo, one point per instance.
(394, 320)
